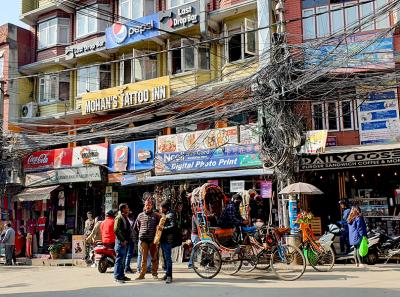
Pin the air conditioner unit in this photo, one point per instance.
(29, 110)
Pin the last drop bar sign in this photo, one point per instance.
(237, 186)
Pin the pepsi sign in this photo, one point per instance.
(122, 34)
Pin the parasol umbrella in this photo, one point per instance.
(301, 188)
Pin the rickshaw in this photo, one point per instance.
(211, 255)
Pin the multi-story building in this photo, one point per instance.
(361, 162)
(101, 60)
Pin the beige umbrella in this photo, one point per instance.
(301, 188)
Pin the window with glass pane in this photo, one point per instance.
(88, 80)
(323, 21)
(235, 47)
(104, 80)
(347, 115)
(308, 24)
(53, 32)
(127, 71)
(146, 68)
(366, 12)
(332, 116)
(173, 3)
(337, 18)
(176, 61)
(41, 90)
(351, 15)
(318, 117)
(383, 21)
(86, 20)
(124, 9)
(204, 56)
(188, 53)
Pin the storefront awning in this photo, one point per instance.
(200, 175)
(33, 194)
(360, 148)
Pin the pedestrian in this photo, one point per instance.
(122, 236)
(194, 237)
(107, 230)
(357, 229)
(344, 227)
(89, 225)
(167, 239)
(146, 227)
(8, 240)
(95, 235)
(131, 244)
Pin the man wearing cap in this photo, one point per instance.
(167, 239)
(344, 234)
(107, 230)
(231, 217)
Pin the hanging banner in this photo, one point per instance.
(378, 118)
(39, 161)
(315, 142)
(266, 188)
(95, 154)
(132, 156)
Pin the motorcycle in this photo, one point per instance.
(104, 256)
(387, 246)
(373, 242)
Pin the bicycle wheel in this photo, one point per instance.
(322, 258)
(263, 260)
(231, 261)
(287, 262)
(206, 260)
(249, 260)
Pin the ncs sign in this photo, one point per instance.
(131, 156)
(122, 34)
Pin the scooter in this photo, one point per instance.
(104, 256)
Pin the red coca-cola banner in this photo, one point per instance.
(51, 159)
(39, 160)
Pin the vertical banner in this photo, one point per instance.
(293, 214)
(78, 247)
(266, 188)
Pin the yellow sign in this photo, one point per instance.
(144, 92)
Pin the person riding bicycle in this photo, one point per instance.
(231, 216)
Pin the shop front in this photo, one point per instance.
(369, 176)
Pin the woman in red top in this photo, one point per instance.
(107, 229)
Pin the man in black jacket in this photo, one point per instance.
(122, 230)
(146, 226)
(167, 239)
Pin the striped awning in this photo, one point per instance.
(33, 194)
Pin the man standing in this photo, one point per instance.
(9, 243)
(122, 233)
(167, 239)
(146, 226)
(89, 225)
(107, 230)
(131, 245)
(344, 226)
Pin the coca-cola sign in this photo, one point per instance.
(39, 160)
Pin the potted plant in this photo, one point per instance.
(54, 250)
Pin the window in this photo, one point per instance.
(337, 18)
(323, 21)
(308, 24)
(175, 3)
(91, 20)
(382, 21)
(333, 115)
(53, 88)
(134, 9)
(347, 115)
(238, 45)
(184, 57)
(143, 67)
(351, 14)
(53, 32)
(93, 79)
(366, 12)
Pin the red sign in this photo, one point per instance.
(63, 158)
(39, 160)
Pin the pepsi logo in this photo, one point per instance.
(119, 32)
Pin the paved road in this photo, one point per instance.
(343, 281)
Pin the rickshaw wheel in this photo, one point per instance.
(206, 260)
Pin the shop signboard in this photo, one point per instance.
(108, 202)
(126, 96)
(78, 247)
(63, 158)
(249, 134)
(94, 154)
(85, 48)
(139, 29)
(362, 54)
(315, 142)
(293, 211)
(181, 17)
(237, 186)
(69, 175)
(266, 188)
(378, 118)
(131, 156)
(350, 160)
(39, 161)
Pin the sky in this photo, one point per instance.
(10, 11)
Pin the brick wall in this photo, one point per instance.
(294, 28)
(50, 53)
